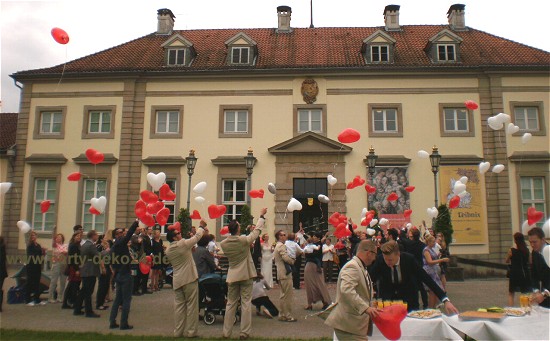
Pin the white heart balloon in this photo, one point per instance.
(432, 212)
(525, 227)
(484, 167)
(99, 203)
(462, 194)
(200, 187)
(373, 222)
(371, 232)
(546, 228)
(331, 180)
(4, 187)
(271, 188)
(200, 200)
(503, 118)
(408, 226)
(526, 137)
(512, 129)
(364, 212)
(498, 168)
(464, 180)
(459, 187)
(384, 221)
(494, 123)
(142, 224)
(294, 205)
(423, 154)
(546, 254)
(156, 180)
(323, 198)
(23, 226)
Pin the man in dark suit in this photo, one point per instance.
(397, 274)
(89, 271)
(415, 247)
(540, 272)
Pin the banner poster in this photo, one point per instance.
(389, 180)
(469, 222)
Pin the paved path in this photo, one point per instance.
(153, 314)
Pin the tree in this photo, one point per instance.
(185, 221)
(246, 219)
(444, 224)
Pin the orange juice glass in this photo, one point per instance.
(387, 304)
(380, 304)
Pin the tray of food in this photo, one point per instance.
(514, 311)
(481, 315)
(424, 314)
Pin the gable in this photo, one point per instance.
(446, 36)
(310, 143)
(177, 41)
(379, 37)
(240, 38)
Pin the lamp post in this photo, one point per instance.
(371, 164)
(191, 161)
(435, 159)
(250, 161)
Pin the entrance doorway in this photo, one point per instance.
(314, 217)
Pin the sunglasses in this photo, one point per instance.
(177, 233)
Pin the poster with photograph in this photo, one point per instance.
(389, 180)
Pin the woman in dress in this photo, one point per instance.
(72, 271)
(431, 264)
(34, 270)
(314, 281)
(518, 258)
(267, 260)
(158, 254)
(59, 263)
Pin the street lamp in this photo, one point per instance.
(250, 161)
(191, 161)
(435, 159)
(371, 164)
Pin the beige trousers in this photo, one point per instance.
(286, 297)
(186, 310)
(341, 335)
(236, 291)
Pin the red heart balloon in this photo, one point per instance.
(392, 197)
(149, 197)
(334, 219)
(224, 230)
(370, 189)
(155, 207)
(93, 211)
(176, 226)
(349, 135)
(407, 213)
(389, 321)
(216, 211)
(471, 105)
(409, 188)
(357, 181)
(148, 219)
(45, 206)
(196, 215)
(94, 156)
(162, 216)
(60, 36)
(256, 193)
(140, 209)
(341, 226)
(454, 202)
(354, 226)
(533, 216)
(74, 176)
(144, 268)
(165, 193)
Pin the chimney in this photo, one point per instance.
(165, 21)
(391, 17)
(455, 15)
(284, 12)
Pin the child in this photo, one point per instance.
(309, 248)
(260, 298)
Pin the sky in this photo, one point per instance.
(93, 26)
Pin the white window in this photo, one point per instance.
(456, 120)
(446, 52)
(236, 121)
(167, 122)
(533, 195)
(100, 122)
(234, 198)
(379, 53)
(176, 56)
(93, 189)
(171, 205)
(239, 55)
(50, 122)
(309, 120)
(527, 118)
(384, 120)
(44, 189)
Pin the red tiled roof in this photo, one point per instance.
(325, 48)
(8, 129)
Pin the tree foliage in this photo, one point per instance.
(245, 220)
(444, 224)
(185, 221)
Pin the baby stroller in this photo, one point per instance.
(213, 297)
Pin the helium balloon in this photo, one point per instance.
(546, 254)
(94, 156)
(199, 200)
(546, 228)
(471, 105)
(484, 167)
(176, 226)
(349, 135)
(60, 36)
(140, 209)
(148, 196)
(200, 187)
(533, 216)
(153, 208)
(389, 321)
(162, 216)
(216, 211)
(432, 212)
(409, 189)
(407, 213)
(454, 202)
(526, 137)
(392, 197)
(458, 187)
(512, 129)
(256, 193)
(196, 215)
(423, 154)
(156, 180)
(494, 123)
(462, 194)
(464, 180)
(93, 211)
(370, 189)
(74, 176)
(271, 188)
(364, 212)
(23, 226)
(165, 193)
(331, 180)
(323, 198)
(498, 168)
(224, 230)
(503, 118)
(373, 222)
(371, 232)
(294, 205)
(140, 224)
(525, 227)
(145, 266)
(4, 187)
(99, 203)
(383, 222)
(45, 206)
(357, 181)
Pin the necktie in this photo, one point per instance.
(395, 275)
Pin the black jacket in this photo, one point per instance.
(121, 253)
(540, 275)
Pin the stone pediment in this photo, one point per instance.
(310, 143)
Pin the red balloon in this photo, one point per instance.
(370, 189)
(140, 209)
(74, 176)
(334, 219)
(409, 188)
(145, 265)
(224, 230)
(165, 193)
(471, 105)
(533, 216)
(389, 321)
(357, 181)
(176, 226)
(155, 207)
(216, 211)
(148, 219)
(45, 206)
(162, 216)
(94, 156)
(149, 197)
(392, 197)
(93, 211)
(349, 135)
(196, 215)
(354, 226)
(407, 213)
(454, 202)
(256, 193)
(60, 35)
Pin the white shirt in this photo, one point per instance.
(327, 254)
(258, 288)
(291, 247)
(301, 239)
(309, 248)
(212, 246)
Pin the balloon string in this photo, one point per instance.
(63, 71)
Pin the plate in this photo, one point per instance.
(424, 314)
(513, 311)
(481, 315)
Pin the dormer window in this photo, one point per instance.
(240, 55)
(379, 53)
(444, 47)
(176, 56)
(446, 52)
(241, 50)
(378, 48)
(178, 51)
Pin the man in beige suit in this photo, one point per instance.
(284, 276)
(185, 281)
(351, 316)
(239, 276)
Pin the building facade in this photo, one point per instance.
(287, 93)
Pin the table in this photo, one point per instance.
(422, 329)
(529, 327)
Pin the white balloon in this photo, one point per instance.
(423, 154)
(503, 118)
(546, 228)
(294, 205)
(4, 187)
(384, 221)
(526, 137)
(373, 222)
(371, 232)
(199, 200)
(494, 123)
(331, 180)
(459, 187)
(142, 224)
(156, 180)
(512, 129)
(99, 203)
(525, 227)
(23, 226)
(464, 180)
(271, 188)
(432, 212)
(408, 226)
(462, 194)
(546, 254)
(200, 187)
(484, 167)
(364, 212)
(498, 168)
(323, 198)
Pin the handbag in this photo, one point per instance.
(336, 259)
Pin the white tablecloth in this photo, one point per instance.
(422, 329)
(529, 327)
